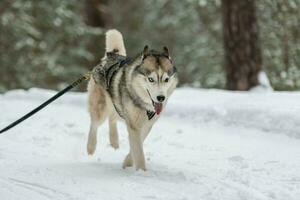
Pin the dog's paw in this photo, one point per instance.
(91, 147)
(114, 139)
(127, 162)
(140, 168)
(114, 145)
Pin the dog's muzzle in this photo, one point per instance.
(158, 106)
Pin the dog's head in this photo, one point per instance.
(155, 78)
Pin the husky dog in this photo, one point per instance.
(132, 90)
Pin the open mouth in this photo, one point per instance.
(157, 106)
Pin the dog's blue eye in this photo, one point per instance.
(151, 79)
(167, 80)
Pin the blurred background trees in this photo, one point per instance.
(50, 43)
(43, 43)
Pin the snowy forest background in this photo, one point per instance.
(48, 44)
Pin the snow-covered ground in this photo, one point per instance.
(208, 144)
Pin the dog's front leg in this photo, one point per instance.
(136, 148)
(128, 159)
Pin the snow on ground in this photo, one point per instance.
(208, 144)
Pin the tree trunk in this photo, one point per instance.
(285, 39)
(243, 59)
(97, 14)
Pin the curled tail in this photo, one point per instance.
(114, 42)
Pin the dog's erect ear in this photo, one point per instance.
(146, 49)
(166, 52)
(145, 52)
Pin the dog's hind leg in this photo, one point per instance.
(92, 139)
(113, 133)
(98, 113)
(96, 121)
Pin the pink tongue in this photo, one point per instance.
(158, 107)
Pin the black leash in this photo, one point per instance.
(40, 107)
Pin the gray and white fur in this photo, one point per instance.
(128, 90)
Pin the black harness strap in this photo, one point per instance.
(74, 84)
(150, 114)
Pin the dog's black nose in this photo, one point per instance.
(160, 98)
